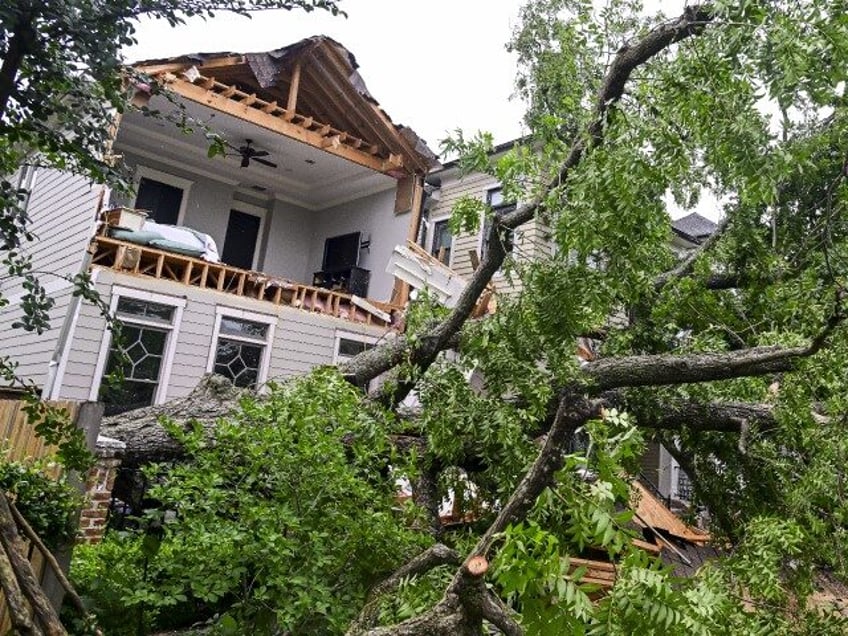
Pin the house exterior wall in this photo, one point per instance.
(290, 230)
(301, 340)
(531, 240)
(374, 217)
(62, 210)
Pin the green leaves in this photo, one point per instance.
(290, 511)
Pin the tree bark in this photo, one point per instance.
(19, 44)
(45, 615)
(142, 431)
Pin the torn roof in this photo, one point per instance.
(328, 88)
(693, 227)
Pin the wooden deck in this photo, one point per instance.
(141, 260)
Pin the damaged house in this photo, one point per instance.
(258, 264)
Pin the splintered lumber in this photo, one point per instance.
(13, 545)
(14, 597)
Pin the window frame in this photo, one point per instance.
(356, 337)
(485, 225)
(431, 238)
(350, 335)
(242, 314)
(146, 172)
(177, 302)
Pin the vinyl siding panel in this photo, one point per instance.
(302, 340)
(62, 209)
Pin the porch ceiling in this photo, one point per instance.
(305, 176)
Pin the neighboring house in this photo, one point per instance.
(446, 186)
(318, 187)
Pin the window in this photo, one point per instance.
(442, 241)
(349, 345)
(135, 366)
(242, 347)
(162, 195)
(495, 200)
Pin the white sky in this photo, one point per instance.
(434, 66)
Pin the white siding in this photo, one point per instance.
(302, 340)
(62, 210)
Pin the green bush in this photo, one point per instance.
(50, 506)
(281, 525)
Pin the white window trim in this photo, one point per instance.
(255, 210)
(168, 179)
(243, 314)
(431, 236)
(350, 335)
(178, 303)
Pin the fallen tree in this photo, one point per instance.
(758, 305)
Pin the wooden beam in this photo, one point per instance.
(274, 123)
(167, 67)
(270, 108)
(291, 105)
(249, 100)
(331, 142)
(392, 163)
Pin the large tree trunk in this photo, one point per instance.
(142, 431)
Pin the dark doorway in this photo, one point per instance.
(240, 242)
(162, 200)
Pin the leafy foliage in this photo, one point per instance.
(50, 506)
(283, 522)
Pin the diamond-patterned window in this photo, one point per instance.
(136, 358)
(240, 350)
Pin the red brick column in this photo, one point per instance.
(98, 488)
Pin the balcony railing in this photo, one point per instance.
(141, 260)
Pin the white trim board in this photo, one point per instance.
(243, 314)
(177, 302)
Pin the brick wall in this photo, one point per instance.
(98, 489)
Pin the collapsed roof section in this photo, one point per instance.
(310, 91)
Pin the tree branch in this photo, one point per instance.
(669, 368)
(721, 417)
(431, 558)
(421, 354)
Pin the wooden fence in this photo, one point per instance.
(20, 443)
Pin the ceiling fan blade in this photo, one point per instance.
(259, 153)
(245, 161)
(265, 162)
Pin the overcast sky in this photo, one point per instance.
(435, 65)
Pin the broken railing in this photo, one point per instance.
(131, 258)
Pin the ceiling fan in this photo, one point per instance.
(248, 153)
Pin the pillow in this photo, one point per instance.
(142, 237)
(177, 248)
